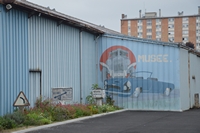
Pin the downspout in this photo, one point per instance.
(96, 42)
(189, 78)
(80, 62)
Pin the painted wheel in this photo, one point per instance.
(167, 91)
(137, 92)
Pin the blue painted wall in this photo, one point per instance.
(13, 57)
(149, 59)
(55, 50)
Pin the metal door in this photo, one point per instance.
(35, 87)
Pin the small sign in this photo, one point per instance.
(64, 94)
(98, 93)
(21, 100)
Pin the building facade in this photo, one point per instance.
(178, 29)
(42, 50)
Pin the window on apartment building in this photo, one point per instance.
(185, 25)
(148, 20)
(149, 30)
(149, 36)
(158, 33)
(171, 33)
(171, 19)
(198, 47)
(185, 32)
(158, 26)
(198, 38)
(157, 20)
(139, 27)
(158, 39)
(185, 19)
(185, 38)
(198, 25)
(139, 34)
(148, 24)
(198, 18)
(129, 30)
(170, 26)
(139, 21)
(129, 23)
(171, 39)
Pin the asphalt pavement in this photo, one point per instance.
(132, 122)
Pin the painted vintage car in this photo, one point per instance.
(121, 78)
(133, 86)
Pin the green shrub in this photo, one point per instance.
(81, 110)
(1, 123)
(1, 127)
(90, 99)
(44, 104)
(7, 123)
(93, 109)
(36, 119)
(18, 117)
(103, 108)
(109, 100)
(59, 113)
(71, 111)
(45, 112)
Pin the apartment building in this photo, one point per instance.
(181, 28)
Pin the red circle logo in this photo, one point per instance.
(106, 54)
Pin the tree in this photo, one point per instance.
(190, 44)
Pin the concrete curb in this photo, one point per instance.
(68, 121)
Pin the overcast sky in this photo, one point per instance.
(108, 12)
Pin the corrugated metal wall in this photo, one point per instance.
(55, 50)
(189, 77)
(89, 57)
(184, 79)
(160, 60)
(14, 57)
(194, 78)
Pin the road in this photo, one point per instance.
(134, 122)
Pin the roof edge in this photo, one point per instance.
(196, 15)
(29, 6)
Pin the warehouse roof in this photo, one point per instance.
(33, 9)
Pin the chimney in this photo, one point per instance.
(180, 13)
(199, 9)
(159, 12)
(123, 16)
(140, 11)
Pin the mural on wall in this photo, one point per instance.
(120, 77)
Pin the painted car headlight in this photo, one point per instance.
(105, 84)
(127, 86)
